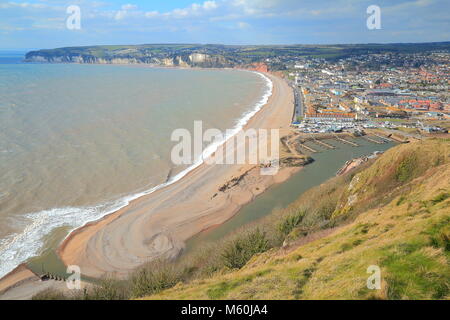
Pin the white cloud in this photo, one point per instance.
(252, 7)
(178, 13)
(206, 17)
(121, 14)
(405, 6)
(209, 5)
(194, 10)
(423, 3)
(126, 10)
(129, 6)
(243, 25)
(151, 14)
(22, 5)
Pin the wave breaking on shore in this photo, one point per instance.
(20, 247)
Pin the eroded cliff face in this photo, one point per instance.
(90, 59)
(206, 60)
(192, 60)
(199, 58)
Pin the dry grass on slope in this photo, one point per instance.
(406, 233)
(392, 212)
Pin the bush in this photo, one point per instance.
(204, 261)
(405, 169)
(49, 294)
(154, 277)
(441, 197)
(239, 251)
(290, 222)
(107, 289)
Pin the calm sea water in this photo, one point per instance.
(79, 141)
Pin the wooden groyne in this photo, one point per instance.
(50, 276)
(346, 141)
(326, 145)
(373, 140)
(302, 145)
(383, 138)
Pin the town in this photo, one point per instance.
(400, 89)
(406, 94)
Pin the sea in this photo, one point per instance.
(80, 141)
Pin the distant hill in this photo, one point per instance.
(213, 55)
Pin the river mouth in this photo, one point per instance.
(327, 163)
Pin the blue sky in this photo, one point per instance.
(34, 24)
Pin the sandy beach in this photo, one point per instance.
(157, 225)
(22, 284)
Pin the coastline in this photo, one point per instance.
(16, 277)
(79, 234)
(157, 222)
(22, 284)
(102, 210)
(91, 246)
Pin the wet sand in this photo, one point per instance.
(16, 277)
(157, 225)
(22, 284)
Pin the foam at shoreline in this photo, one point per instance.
(18, 248)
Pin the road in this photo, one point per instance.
(298, 110)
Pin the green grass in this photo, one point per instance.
(439, 235)
(239, 251)
(404, 227)
(220, 290)
(414, 275)
(406, 168)
(290, 222)
(441, 197)
(407, 235)
(154, 277)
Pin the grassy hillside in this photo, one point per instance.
(392, 212)
(399, 208)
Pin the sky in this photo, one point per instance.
(38, 24)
